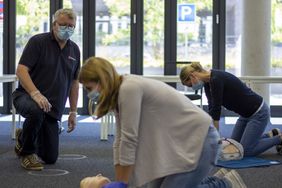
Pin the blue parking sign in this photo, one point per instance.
(186, 13)
(1, 10)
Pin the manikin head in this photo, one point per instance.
(97, 181)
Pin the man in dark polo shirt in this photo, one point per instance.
(47, 71)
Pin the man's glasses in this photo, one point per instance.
(66, 26)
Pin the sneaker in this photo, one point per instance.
(279, 149)
(235, 179)
(279, 146)
(18, 147)
(273, 132)
(221, 173)
(30, 162)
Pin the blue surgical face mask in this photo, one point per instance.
(94, 95)
(198, 85)
(64, 33)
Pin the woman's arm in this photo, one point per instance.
(216, 124)
(123, 173)
(130, 102)
(216, 90)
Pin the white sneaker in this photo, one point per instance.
(235, 179)
(221, 173)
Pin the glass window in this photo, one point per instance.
(1, 49)
(32, 18)
(194, 31)
(276, 50)
(233, 37)
(113, 33)
(153, 57)
(77, 6)
(194, 35)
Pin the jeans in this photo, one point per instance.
(250, 133)
(40, 133)
(198, 177)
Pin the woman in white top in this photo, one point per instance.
(162, 139)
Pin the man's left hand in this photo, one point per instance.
(71, 122)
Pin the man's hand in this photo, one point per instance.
(71, 121)
(42, 101)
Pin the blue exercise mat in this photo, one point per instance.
(247, 162)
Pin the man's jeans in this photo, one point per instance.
(40, 131)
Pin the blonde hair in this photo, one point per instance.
(99, 70)
(188, 69)
(64, 11)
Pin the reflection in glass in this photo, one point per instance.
(113, 33)
(153, 57)
(194, 31)
(32, 17)
(233, 37)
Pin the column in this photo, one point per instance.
(256, 42)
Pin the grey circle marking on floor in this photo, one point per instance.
(71, 157)
(49, 172)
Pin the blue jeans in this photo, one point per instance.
(250, 133)
(198, 177)
(40, 133)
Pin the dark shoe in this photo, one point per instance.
(279, 146)
(31, 162)
(279, 149)
(18, 147)
(273, 132)
(235, 179)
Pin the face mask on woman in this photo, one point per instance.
(93, 95)
(198, 85)
(64, 33)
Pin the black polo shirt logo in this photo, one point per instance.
(71, 58)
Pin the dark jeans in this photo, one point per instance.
(250, 133)
(40, 131)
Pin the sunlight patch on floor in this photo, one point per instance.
(273, 120)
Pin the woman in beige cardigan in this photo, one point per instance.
(162, 139)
